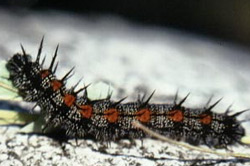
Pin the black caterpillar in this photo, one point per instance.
(108, 120)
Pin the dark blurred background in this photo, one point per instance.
(224, 19)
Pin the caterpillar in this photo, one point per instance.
(108, 120)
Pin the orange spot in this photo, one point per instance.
(56, 85)
(143, 115)
(206, 119)
(86, 111)
(176, 115)
(69, 99)
(111, 115)
(44, 73)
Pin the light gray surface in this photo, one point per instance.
(131, 58)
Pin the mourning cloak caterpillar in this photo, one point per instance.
(108, 120)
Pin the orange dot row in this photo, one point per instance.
(112, 114)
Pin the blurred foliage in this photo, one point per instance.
(228, 19)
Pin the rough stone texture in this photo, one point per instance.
(17, 149)
(132, 58)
